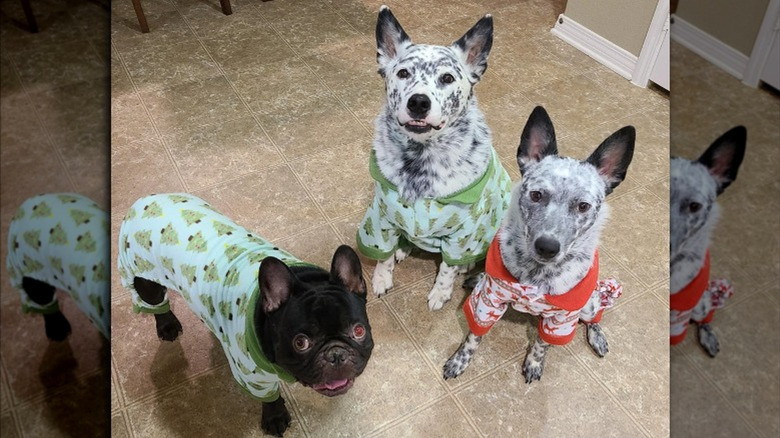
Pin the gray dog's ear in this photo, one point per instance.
(390, 37)
(345, 269)
(725, 155)
(276, 283)
(475, 46)
(537, 140)
(613, 156)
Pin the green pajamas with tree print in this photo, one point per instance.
(180, 242)
(62, 239)
(459, 226)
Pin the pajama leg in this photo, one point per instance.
(153, 300)
(39, 297)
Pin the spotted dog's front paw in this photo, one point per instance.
(532, 369)
(382, 280)
(597, 340)
(458, 362)
(708, 340)
(439, 296)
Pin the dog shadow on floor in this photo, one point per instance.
(74, 405)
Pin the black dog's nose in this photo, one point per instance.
(336, 355)
(547, 248)
(418, 105)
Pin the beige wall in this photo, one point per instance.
(623, 22)
(735, 23)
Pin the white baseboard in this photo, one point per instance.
(594, 45)
(710, 48)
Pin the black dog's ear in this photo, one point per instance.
(613, 156)
(475, 46)
(345, 269)
(389, 37)
(276, 283)
(537, 140)
(725, 155)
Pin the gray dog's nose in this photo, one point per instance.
(418, 105)
(547, 248)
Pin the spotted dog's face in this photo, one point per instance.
(429, 87)
(561, 198)
(695, 185)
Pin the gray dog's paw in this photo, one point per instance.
(454, 367)
(708, 340)
(597, 340)
(532, 369)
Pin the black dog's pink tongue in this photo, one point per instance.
(335, 384)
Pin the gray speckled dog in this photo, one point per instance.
(694, 211)
(544, 260)
(432, 143)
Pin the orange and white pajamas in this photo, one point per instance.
(559, 313)
(696, 302)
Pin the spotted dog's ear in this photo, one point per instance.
(724, 156)
(475, 47)
(613, 156)
(390, 38)
(537, 140)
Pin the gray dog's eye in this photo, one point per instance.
(535, 196)
(694, 207)
(403, 73)
(583, 207)
(446, 78)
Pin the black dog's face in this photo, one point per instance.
(319, 331)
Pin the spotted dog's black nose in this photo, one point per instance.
(418, 106)
(547, 248)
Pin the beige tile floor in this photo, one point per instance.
(268, 115)
(737, 393)
(53, 136)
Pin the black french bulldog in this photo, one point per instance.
(310, 322)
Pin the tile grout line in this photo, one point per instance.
(400, 420)
(609, 392)
(44, 128)
(234, 88)
(285, 388)
(151, 119)
(702, 374)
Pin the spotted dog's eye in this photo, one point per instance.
(535, 196)
(446, 78)
(583, 207)
(301, 342)
(358, 331)
(694, 207)
(403, 73)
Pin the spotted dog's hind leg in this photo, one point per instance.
(442, 288)
(382, 280)
(458, 362)
(534, 361)
(708, 340)
(597, 339)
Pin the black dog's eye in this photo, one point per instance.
(358, 331)
(301, 342)
(536, 196)
(583, 207)
(694, 207)
(447, 78)
(403, 73)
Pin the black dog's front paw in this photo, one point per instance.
(57, 326)
(276, 418)
(168, 326)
